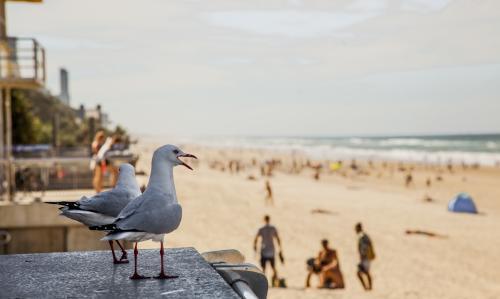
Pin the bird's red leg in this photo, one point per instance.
(123, 259)
(115, 260)
(136, 276)
(162, 272)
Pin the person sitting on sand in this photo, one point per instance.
(267, 234)
(327, 266)
(366, 255)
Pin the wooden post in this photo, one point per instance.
(8, 142)
(92, 129)
(55, 133)
(3, 35)
(35, 60)
(2, 141)
(44, 71)
(3, 20)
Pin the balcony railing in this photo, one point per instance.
(22, 62)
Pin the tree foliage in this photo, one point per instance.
(33, 114)
(27, 128)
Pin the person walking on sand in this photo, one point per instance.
(366, 255)
(268, 234)
(269, 194)
(408, 180)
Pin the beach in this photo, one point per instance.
(224, 210)
(325, 119)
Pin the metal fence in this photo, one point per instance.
(31, 178)
(33, 175)
(22, 59)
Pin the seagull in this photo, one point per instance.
(154, 213)
(104, 207)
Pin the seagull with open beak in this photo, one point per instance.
(184, 155)
(154, 213)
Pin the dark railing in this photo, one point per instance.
(22, 60)
(38, 168)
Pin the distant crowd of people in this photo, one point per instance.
(326, 265)
(347, 169)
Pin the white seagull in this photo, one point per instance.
(154, 213)
(103, 208)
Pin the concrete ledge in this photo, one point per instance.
(93, 275)
(32, 215)
(38, 228)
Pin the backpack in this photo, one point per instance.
(370, 252)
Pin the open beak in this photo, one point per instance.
(186, 156)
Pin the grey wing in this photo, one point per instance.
(109, 202)
(158, 220)
(131, 207)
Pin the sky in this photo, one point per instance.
(276, 67)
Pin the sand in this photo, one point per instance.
(223, 210)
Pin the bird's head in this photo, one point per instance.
(126, 169)
(173, 154)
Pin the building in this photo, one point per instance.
(64, 83)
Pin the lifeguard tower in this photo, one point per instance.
(22, 65)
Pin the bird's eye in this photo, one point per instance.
(176, 152)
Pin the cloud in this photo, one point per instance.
(289, 23)
(368, 5)
(301, 23)
(231, 61)
(298, 22)
(424, 6)
(63, 43)
(296, 2)
(303, 61)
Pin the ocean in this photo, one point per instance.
(482, 149)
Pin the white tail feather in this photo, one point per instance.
(121, 236)
(133, 236)
(87, 217)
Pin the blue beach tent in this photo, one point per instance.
(462, 203)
